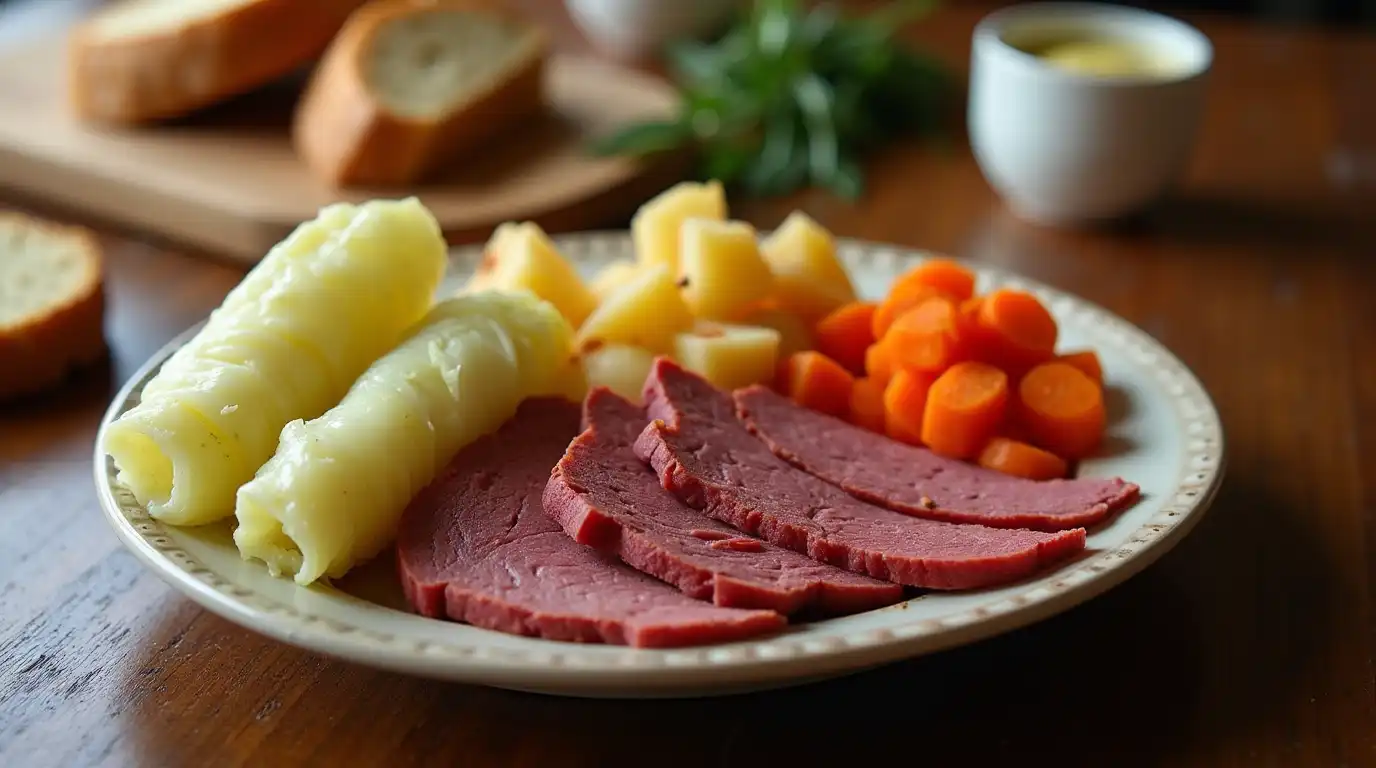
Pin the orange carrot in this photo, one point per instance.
(905, 400)
(927, 338)
(845, 333)
(1016, 331)
(1062, 409)
(1013, 457)
(964, 408)
(878, 363)
(816, 381)
(895, 304)
(1087, 361)
(945, 276)
(867, 405)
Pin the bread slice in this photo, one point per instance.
(138, 61)
(52, 303)
(410, 85)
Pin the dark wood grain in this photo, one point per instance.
(1251, 644)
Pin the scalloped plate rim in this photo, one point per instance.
(635, 674)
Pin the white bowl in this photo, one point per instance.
(635, 29)
(1063, 147)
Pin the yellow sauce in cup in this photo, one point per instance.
(1104, 57)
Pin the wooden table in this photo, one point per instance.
(1251, 644)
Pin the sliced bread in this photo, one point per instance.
(410, 85)
(139, 61)
(52, 303)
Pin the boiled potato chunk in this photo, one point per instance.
(612, 277)
(570, 381)
(729, 356)
(620, 368)
(519, 255)
(655, 226)
(645, 312)
(808, 278)
(722, 273)
(795, 334)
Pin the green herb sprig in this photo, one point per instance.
(789, 97)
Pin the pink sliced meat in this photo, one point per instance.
(705, 456)
(916, 481)
(475, 546)
(604, 496)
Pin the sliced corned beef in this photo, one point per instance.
(604, 496)
(916, 481)
(476, 546)
(707, 458)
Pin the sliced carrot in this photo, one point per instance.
(1062, 409)
(1016, 331)
(905, 400)
(845, 333)
(1013, 457)
(878, 363)
(1087, 361)
(895, 304)
(927, 337)
(867, 405)
(964, 408)
(815, 381)
(945, 276)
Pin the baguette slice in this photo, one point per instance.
(139, 61)
(52, 303)
(410, 85)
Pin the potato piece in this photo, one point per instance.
(729, 356)
(720, 268)
(646, 312)
(521, 256)
(795, 334)
(612, 277)
(620, 368)
(655, 226)
(571, 381)
(808, 278)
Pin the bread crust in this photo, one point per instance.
(348, 138)
(168, 73)
(39, 351)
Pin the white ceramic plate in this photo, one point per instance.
(1165, 436)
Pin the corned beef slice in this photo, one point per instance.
(476, 546)
(604, 496)
(916, 481)
(707, 458)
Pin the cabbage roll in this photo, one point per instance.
(285, 344)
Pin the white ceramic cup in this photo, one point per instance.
(1066, 148)
(635, 29)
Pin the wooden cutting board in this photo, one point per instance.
(228, 180)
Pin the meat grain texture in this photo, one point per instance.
(606, 497)
(476, 546)
(916, 481)
(707, 458)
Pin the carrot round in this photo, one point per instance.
(1016, 331)
(845, 333)
(905, 400)
(1087, 361)
(945, 276)
(1062, 409)
(815, 381)
(1014, 457)
(878, 363)
(895, 304)
(965, 406)
(928, 337)
(867, 405)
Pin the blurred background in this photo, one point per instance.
(1346, 12)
